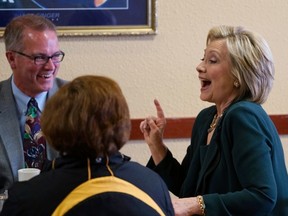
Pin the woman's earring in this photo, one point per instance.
(236, 84)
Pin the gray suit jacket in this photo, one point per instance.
(11, 147)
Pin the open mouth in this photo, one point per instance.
(45, 76)
(205, 83)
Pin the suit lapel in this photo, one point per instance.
(209, 164)
(211, 159)
(10, 125)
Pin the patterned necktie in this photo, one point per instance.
(34, 142)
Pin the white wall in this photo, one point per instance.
(163, 66)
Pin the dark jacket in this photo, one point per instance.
(241, 172)
(42, 194)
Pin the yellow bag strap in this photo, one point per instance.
(101, 185)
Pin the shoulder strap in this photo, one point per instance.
(101, 185)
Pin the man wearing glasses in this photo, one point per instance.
(34, 55)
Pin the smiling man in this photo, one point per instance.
(34, 55)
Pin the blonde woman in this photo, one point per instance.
(235, 163)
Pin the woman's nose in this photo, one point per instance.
(200, 68)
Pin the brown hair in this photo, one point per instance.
(13, 33)
(88, 117)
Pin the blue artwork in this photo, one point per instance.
(80, 13)
(58, 4)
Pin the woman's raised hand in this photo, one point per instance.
(153, 128)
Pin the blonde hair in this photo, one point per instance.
(252, 61)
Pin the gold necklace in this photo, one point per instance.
(214, 122)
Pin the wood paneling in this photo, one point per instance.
(182, 127)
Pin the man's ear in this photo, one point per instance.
(11, 59)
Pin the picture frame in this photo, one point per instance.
(112, 17)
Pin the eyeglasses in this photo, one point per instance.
(43, 59)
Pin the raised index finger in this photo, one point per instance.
(160, 112)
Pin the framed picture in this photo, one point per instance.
(87, 17)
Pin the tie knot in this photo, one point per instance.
(32, 106)
(32, 101)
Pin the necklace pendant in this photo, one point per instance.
(214, 123)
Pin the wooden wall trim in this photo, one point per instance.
(181, 127)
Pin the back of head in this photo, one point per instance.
(252, 61)
(13, 33)
(88, 117)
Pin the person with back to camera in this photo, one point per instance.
(88, 122)
(235, 163)
(34, 55)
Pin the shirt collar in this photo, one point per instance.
(22, 99)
